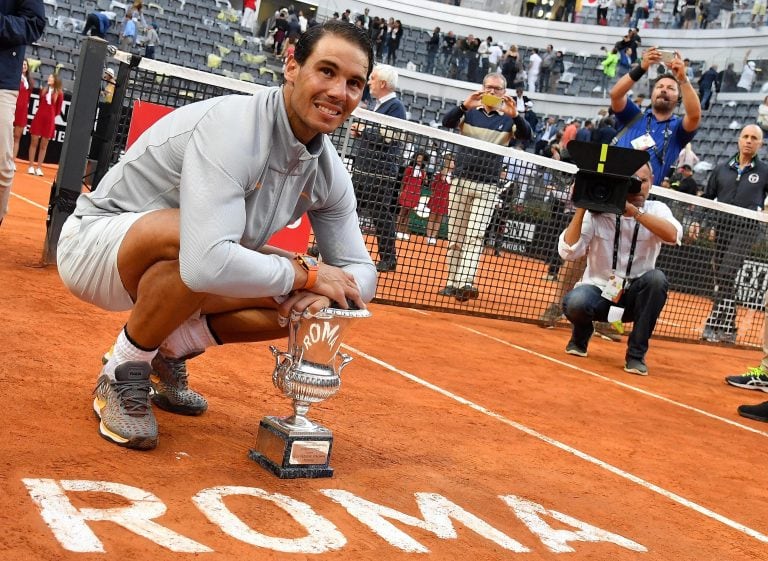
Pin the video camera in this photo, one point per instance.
(605, 175)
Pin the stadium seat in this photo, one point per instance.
(420, 100)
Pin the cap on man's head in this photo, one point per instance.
(686, 167)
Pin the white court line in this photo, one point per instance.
(578, 453)
(618, 383)
(26, 200)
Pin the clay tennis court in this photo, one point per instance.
(456, 438)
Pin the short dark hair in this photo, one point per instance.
(345, 30)
(667, 76)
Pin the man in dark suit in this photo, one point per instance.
(376, 171)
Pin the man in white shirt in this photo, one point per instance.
(617, 248)
(495, 52)
(534, 66)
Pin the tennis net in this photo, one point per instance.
(402, 173)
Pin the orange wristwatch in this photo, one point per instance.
(310, 265)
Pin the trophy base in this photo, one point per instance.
(293, 453)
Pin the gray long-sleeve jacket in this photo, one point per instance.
(238, 175)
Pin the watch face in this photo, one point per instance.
(307, 260)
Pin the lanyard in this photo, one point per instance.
(667, 134)
(631, 248)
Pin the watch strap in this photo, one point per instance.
(309, 264)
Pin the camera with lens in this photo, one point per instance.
(605, 176)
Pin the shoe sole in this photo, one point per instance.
(747, 386)
(575, 352)
(146, 443)
(635, 371)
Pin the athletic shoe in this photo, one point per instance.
(39, 172)
(607, 331)
(636, 366)
(753, 379)
(31, 170)
(574, 349)
(432, 241)
(757, 412)
(466, 292)
(170, 387)
(447, 291)
(123, 406)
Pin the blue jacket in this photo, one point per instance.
(21, 22)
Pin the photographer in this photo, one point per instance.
(620, 282)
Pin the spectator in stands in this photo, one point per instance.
(657, 129)
(495, 53)
(97, 24)
(410, 193)
(23, 24)
(569, 11)
(758, 13)
(748, 75)
(393, 41)
(569, 133)
(472, 55)
(511, 68)
(379, 39)
(684, 181)
(376, 170)
(439, 191)
(641, 14)
(609, 64)
(755, 379)
(248, 19)
(43, 126)
(137, 10)
(530, 7)
(658, 13)
(762, 115)
(558, 67)
(625, 286)
(629, 10)
(473, 195)
(280, 31)
(433, 47)
(602, 11)
(726, 13)
(534, 67)
(689, 14)
(21, 114)
(584, 134)
(546, 136)
(605, 131)
(741, 181)
(483, 52)
(151, 39)
(728, 79)
(547, 59)
(449, 41)
(707, 82)
(129, 33)
(304, 23)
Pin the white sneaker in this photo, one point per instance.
(39, 172)
(431, 241)
(31, 170)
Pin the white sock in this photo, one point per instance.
(191, 337)
(125, 351)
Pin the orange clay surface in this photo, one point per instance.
(526, 451)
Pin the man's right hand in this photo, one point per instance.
(473, 100)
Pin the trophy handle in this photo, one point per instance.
(286, 362)
(345, 359)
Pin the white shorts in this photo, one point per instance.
(87, 258)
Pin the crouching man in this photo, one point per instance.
(620, 281)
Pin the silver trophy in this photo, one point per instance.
(308, 372)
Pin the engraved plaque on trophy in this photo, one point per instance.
(308, 372)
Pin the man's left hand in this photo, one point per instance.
(508, 106)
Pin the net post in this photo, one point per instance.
(69, 178)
